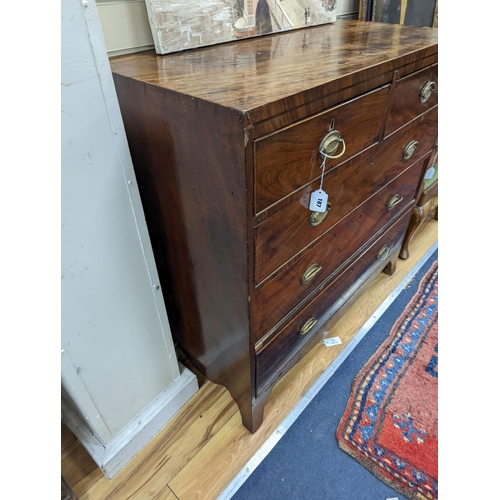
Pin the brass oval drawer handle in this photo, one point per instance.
(394, 201)
(330, 144)
(410, 149)
(383, 253)
(317, 218)
(427, 90)
(308, 326)
(310, 273)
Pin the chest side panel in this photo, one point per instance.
(188, 157)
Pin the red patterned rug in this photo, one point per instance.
(390, 424)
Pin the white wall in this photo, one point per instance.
(118, 354)
(126, 27)
(347, 7)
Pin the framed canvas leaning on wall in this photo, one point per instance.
(188, 24)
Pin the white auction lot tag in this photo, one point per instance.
(332, 341)
(428, 175)
(318, 201)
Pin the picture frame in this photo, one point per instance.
(365, 10)
(178, 25)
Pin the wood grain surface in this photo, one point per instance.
(165, 494)
(289, 158)
(406, 103)
(287, 342)
(279, 296)
(66, 492)
(189, 162)
(262, 76)
(372, 168)
(171, 449)
(78, 468)
(285, 234)
(67, 437)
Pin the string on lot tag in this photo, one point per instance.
(319, 198)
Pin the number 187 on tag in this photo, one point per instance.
(318, 201)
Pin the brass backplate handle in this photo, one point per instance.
(307, 326)
(317, 218)
(427, 90)
(310, 273)
(330, 144)
(383, 253)
(394, 201)
(410, 149)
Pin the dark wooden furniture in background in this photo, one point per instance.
(225, 142)
(424, 208)
(409, 12)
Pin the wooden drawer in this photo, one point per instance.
(279, 296)
(408, 96)
(282, 236)
(288, 159)
(274, 355)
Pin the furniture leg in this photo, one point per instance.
(418, 217)
(253, 415)
(390, 268)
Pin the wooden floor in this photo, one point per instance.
(198, 453)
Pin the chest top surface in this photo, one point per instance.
(248, 74)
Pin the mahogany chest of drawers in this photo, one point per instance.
(227, 143)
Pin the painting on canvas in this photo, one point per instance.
(179, 25)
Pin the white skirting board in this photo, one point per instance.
(113, 455)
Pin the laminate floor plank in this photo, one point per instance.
(215, 466)
(67, 437)
(78, 468)
(171, 449)
(165, 494)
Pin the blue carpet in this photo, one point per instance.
(307, 463)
